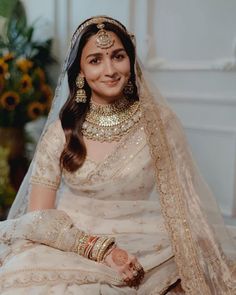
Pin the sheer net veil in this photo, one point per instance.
(20, 204)
(204, 251)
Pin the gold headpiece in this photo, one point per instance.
(99, 20)
(104, 40)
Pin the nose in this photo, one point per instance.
(109, 68)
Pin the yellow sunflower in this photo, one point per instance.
(25, 83)
(8, 57)
(40, 74)
(24, 64)
(9, 100)
(35, 110)
(3, 67)
(46, 98)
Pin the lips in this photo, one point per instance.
(111, 82)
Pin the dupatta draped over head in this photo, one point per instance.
(203, 249)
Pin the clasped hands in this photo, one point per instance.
(126, 265)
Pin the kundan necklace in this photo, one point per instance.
(110, 122)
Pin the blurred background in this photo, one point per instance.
(188, 46)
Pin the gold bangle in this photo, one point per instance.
(89, 246)
(109, 250)
(93, 247)
(77, 239)
(104, 248)
(97, 247)
(82, 243)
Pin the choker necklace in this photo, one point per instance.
(110, 122)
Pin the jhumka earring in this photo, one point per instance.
(80, 93)
(129, 88)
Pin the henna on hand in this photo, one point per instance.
(121, 260)
(119, 256)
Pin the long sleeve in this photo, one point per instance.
(50, 227)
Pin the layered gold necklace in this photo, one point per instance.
(110, 122)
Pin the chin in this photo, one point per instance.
(112, 94)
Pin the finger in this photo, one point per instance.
(139, 267)
(126, 280)
(130, 280)
(132, 260)
(136, 278)
(137, 275)
(140, 271)
(134, 283)
(129, 274)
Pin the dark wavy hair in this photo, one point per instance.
(73, 114)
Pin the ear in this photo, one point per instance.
(81, 73)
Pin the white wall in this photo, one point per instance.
(189, 47)
(193, 60)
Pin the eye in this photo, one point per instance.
(94, 61)
(119, 56)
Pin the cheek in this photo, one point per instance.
(125, 68)
(92, 74)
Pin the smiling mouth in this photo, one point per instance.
(111, 82)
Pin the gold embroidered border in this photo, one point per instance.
(40, 276)
(172, 204)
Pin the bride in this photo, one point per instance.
(112, 202)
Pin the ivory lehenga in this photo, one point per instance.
(147, 193)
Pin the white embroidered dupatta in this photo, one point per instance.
(204, 255)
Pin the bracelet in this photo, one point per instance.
(77, 241)
(82, 244)
(89, 246)
(104, 247)
(109, 250)
(93, 247)
(97, 247)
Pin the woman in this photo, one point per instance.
(114, 202)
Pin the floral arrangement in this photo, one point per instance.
(25, 91)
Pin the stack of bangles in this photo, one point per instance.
(94, 247)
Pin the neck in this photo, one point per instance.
(110, 121)
(119, 105)
(98, 101)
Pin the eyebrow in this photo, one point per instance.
(98, 54)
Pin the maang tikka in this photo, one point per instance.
(80, 93)
(104, 40)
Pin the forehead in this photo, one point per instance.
(91, 46)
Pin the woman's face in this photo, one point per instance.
(106, 70)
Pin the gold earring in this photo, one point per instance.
(129, 88)
(80, 93)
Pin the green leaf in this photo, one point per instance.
(6, 7)
(29, 33)
(19, 14)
